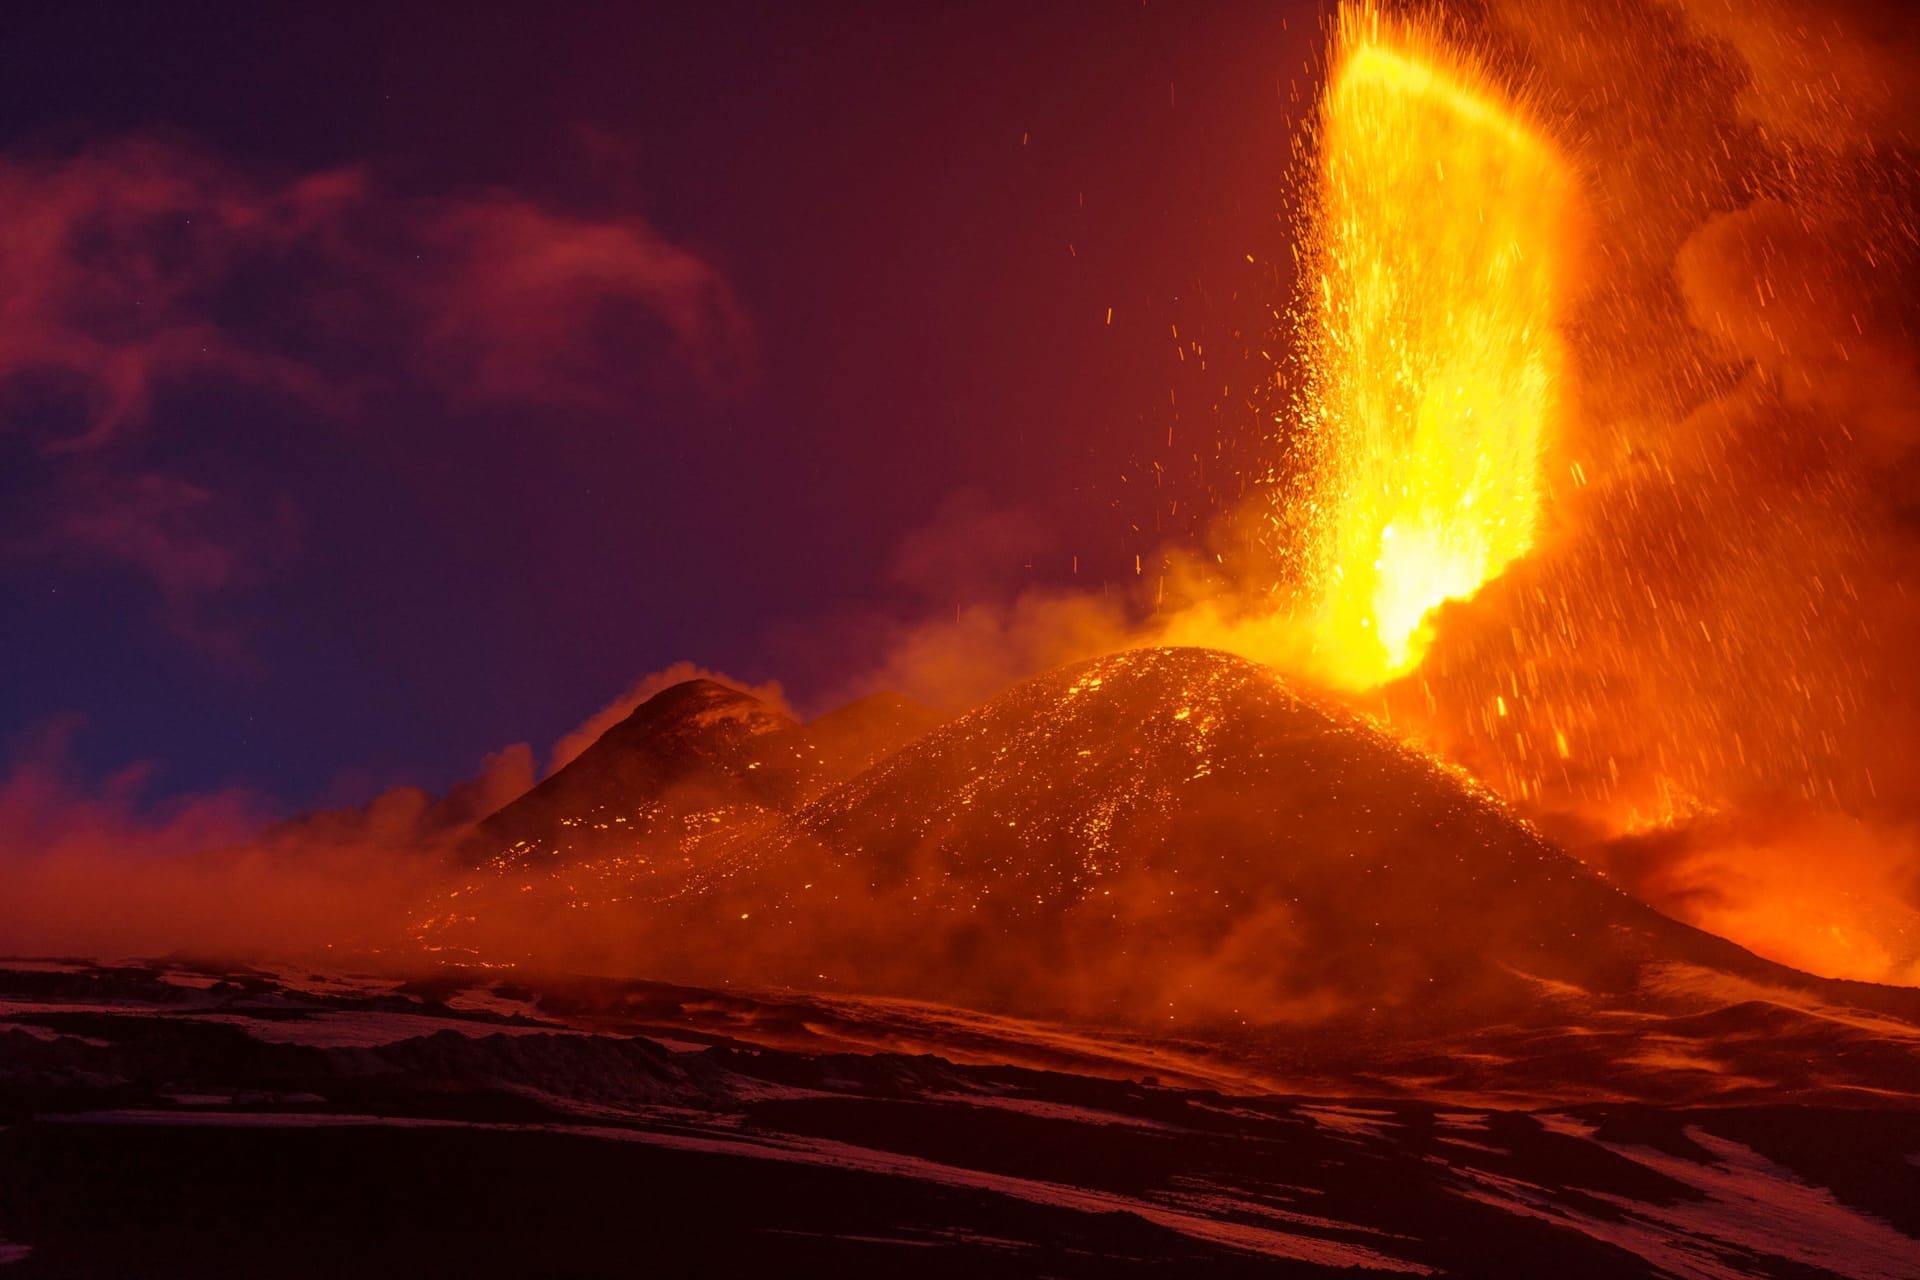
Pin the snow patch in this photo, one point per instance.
(1351, 1123)
(50, 1035)
(329, 1030)
(1054, 1111)
(1748, 1208)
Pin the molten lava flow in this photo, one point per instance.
(1433, 357)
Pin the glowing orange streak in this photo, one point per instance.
(1433, 357)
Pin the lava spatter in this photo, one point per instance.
(1438, 248)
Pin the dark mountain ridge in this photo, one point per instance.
(698, 748)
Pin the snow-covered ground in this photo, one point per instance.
(1057, 1138)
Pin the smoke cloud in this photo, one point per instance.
(92, 869)
(137, 269)
(95, 867)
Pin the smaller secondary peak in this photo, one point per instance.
(702, 704)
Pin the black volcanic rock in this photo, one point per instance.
(697, 743)
(691, 754)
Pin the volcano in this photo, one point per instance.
(1158, 836)
(1180, 829)
(691, 754)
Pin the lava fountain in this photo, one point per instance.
(1438, 243)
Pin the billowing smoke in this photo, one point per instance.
(94, 868)
(100, 867)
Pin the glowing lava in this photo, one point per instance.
(1434, 363)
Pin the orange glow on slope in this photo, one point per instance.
(1433, 360)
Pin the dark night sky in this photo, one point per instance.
(371, 509)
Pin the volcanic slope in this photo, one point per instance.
(696, 755)
(1178, 834)
(693, 771)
